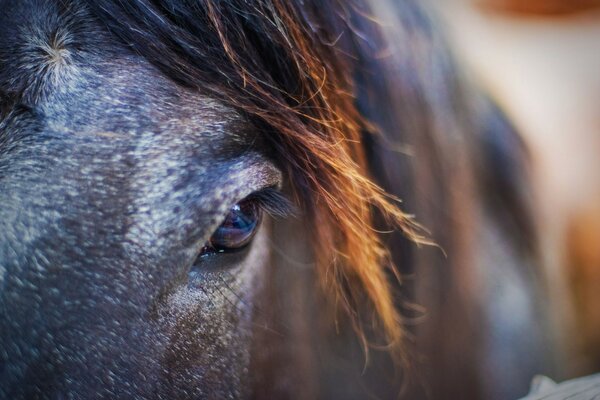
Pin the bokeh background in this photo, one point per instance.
(540, 61)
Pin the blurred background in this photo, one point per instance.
(540, 61)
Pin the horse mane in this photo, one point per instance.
(362, 106)
(281, 65)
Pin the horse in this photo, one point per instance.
(265, 199)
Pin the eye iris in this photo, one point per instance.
(238, 228)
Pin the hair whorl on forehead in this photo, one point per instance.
(290, 69)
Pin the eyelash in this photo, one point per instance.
(273, 202)
(268, 200)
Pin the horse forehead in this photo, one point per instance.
(66, 65)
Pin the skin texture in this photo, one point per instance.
(108, 194)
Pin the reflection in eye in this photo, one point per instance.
(237, 230)
(243, 220)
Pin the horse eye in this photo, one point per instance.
(237, 230)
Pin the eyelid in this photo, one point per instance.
(269, 200)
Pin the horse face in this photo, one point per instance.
(112, 180)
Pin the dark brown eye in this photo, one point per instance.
(237, 230)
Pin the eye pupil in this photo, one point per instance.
(237, 230)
